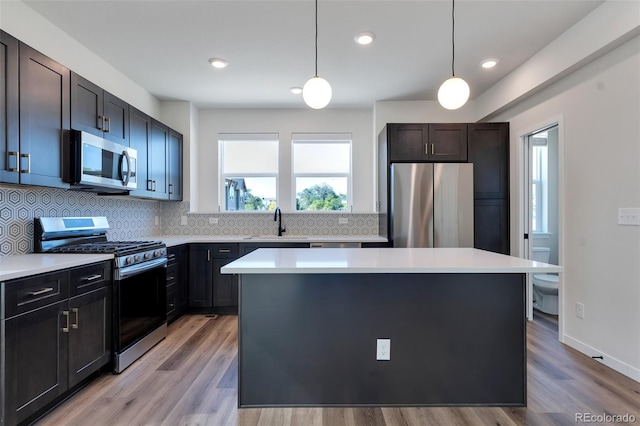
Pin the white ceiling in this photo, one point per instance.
(164, 45)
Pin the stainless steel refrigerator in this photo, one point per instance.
(432, 204)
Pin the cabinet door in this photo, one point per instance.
(408, 142)
(116, 112)
(447, 142)
(44, 115)
(200, 276)
(35, 360)
(489, 153)
(87, 100)
(223, 285)
(175, 166)
(157, 166)
(491, 225)
(139, 138)
(89, 334)
(9, 142)
(182, 278)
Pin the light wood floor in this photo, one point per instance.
(191, 377)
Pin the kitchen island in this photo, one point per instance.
(310, 320)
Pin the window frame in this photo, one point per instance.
(222, 176)
(541, 185)
(322, 138)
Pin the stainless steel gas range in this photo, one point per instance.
(139, 287)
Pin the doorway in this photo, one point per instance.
(541, 222)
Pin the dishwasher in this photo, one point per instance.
(335, 245)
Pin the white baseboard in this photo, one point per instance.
(611, 362)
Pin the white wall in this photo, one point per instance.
(358, 122)
(26, 25)
(600, 143)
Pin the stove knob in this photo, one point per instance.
(129, 260)
(157, 253)
(136, 258)
(147, 256)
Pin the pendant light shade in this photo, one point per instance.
(317, 91)
(454, 92)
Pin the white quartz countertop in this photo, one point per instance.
(177, 240)
(382, 260)
(24, 265)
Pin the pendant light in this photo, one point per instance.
(317, 91)
(455, 91)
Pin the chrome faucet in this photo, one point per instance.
(278, 216)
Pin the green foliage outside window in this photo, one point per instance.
(320, 197)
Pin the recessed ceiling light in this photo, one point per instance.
(365, 38)
(489, 63)
(296, 90)
(218, 63)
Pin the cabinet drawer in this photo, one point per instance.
(172, 304)
(172, 274)
(172, 256)
(89, 278)
(27, 294)
(224, 251)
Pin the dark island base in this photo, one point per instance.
(310, 340)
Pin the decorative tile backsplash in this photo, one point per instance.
(131, 218)
(128, 218)
(248, 224)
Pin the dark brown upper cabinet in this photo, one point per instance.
(174, 170)
(45, 110)
(139, 138)
(489, 153)
(9, 109)
(98, 112)
(427, 142)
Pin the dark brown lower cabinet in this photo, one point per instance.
(89, 333)
(52, 342)
(177, 281)
(36, 368)
(225, 286)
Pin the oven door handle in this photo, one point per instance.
(130, 271)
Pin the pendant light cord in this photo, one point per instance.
(453, 41)
(316, 38)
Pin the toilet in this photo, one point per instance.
(545, 286)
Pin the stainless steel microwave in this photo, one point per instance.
(95, 164)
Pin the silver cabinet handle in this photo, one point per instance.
(66, 329)
(100, 123)
(39, 292)
(171, 257)
(13, 154)
(170, 188)
(224, 251)
(208, 255)
(92, 277)
(77, 323)
(28, 169)
(432, 149)
(426, 149)
(108, 128)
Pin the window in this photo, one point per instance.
(539, 183)
(322, 171)
(248, 171)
